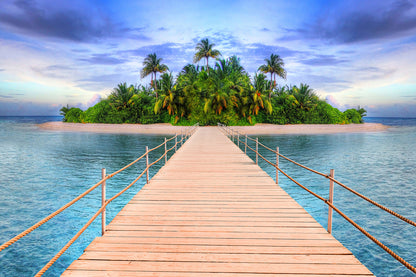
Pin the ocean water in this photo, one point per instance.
(380, 165)
(42, 170)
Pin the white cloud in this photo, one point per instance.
(94, 100)
(330, 99)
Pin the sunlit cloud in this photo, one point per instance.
(58, 53)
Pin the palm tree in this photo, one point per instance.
(121, 95)
(258, 101)
(63, 111)
(204, 50)
(190, 69)
(171, 98)
(152, 65)
(361, 111)
(306, 98)
(222, 68)
(260, 82)
(240, 100)
(216, 102)
(274, 66)
(188, 74)
(235, 64)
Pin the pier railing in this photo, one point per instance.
(238, 138)
(176, 140)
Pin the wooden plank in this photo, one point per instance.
(120, 221)
(216, 257)
(222, 214)
(218, 229)
(197, 219)
(211, 208)
(233, 234)
(226, 267)
(236, 249)
(218, 241)
(90, 273)
(212, 211)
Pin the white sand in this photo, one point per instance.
(270, 129)
(161, 128)
(258, 129)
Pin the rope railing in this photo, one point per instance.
(185, 134)
(335, 181)
(232, 133)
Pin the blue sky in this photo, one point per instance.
(357, 52)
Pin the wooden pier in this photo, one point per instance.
(211, 211)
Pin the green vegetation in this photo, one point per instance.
(224, 93)
(151, 65)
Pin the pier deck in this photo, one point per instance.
(212, 211)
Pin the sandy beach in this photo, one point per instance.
(270, 129)
(258, 129)
(160, 128)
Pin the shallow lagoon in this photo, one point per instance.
(379, 165)
(42, 170)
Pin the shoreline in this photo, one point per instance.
(150, 129)
(258, 129)
(310, 129)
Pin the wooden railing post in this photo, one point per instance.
(103, 175)
(330, 200)
(277, 165)
(257, 150)
(166, 150)
(181, 138)
(147, 164)
(176, 143)
(245, 146)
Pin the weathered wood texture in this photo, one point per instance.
(212, 211)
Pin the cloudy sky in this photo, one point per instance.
(357, 52)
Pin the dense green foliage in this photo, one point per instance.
(152, 65)
(224, 93)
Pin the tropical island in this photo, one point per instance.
(208, 95)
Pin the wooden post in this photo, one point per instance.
(181, 138)
(277, 165)
(331, 200)
(166, 154)
(257, 150)
(103, 175)
(176, 143)
(238, 140)
(147, 164)
(245, 146)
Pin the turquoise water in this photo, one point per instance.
(379, 165)
(42, 170)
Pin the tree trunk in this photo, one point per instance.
(155, 86)
(207, 66)
(271, 83)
